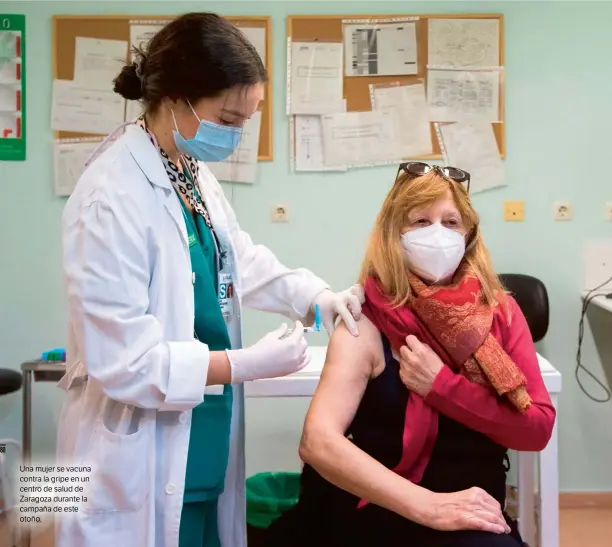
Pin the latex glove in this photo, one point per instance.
(273, 356)
(346, 304)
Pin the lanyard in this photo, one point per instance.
(196, 235)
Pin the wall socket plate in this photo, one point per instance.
(609, 210)
(279, 213)
(562, 210)
(514, 211)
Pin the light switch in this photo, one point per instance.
(514, 211)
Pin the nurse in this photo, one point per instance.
(157, 272)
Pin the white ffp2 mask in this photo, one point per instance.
(434, 252)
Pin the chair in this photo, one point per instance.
(532, 297)
(10, 381)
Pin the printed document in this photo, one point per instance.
(380, 49)
(241, 166)
(463, 42)
(473, 148)
(316, 78)
(82, 110)
(408, 104)
(359, 138)
(257, 37)
(309, 151)
(459, 95)
(140, 35)
(97, 62)
(69, 163)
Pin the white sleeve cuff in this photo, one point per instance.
(302, 305)
(187, 375)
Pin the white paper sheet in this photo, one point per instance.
(408, 104)
(97, 62)
(316, 78)
(463, 42)
(83, 110)
(473, 148)
(257, 37)
(69, 163)
(241, 166)
(133, 110)
(140, 35)
(10, 71)
(458, 95)
(382, 49)
(9, 126)
(309, 150)
(359, 138)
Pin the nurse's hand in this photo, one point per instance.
(346, 304)
(273, 356)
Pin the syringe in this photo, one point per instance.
(317, 323)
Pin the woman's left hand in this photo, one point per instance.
(419, 366)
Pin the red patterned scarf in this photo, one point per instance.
(456, 323)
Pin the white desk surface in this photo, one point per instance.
(304, 383)
(600, 300)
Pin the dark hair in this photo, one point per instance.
(196, 56)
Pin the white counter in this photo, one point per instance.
(304, 383)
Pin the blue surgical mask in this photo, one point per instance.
(212, 142)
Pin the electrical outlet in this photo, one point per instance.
(562, 210)
(279, 213)
(609, 210)
(514, 211)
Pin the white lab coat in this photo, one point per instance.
(134, 369)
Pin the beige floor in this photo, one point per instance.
(579, 528)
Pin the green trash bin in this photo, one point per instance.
(268, 496)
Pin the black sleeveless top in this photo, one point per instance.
(461, 458)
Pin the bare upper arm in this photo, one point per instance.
(349, 365)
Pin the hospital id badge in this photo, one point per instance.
(226, 294)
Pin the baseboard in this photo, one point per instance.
(585, 500)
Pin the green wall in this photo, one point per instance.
(559, 111)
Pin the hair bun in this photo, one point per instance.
(128, 84)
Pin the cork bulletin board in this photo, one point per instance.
(66, 28)
(329, 28)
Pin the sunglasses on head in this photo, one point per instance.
(418, 169)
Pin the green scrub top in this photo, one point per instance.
(210, 423)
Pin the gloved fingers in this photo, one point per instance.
(298, 332)
(348, 319)
(328, 321)
(279, 332)
(358, 291)
(354, 305)
(304, 363)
